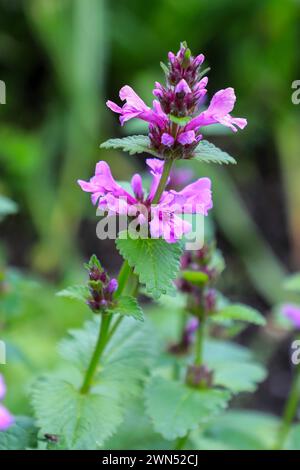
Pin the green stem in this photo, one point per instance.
(125, 272)
(123, 278)
(88, 379)
(290, 410)
(163, 181)
(199, 343)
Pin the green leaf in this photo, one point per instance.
(240, 430)
(132, 144)
(79, 292)
(128, 306)
(233, 366)
(292, 283)
(239, 312)
(21, 435)
(176, 409)
(125, 360)
(209, 153)
(7, 207)
(293, 440)
(84, 421)
(239, 377)
(181, 121)
(155, 261)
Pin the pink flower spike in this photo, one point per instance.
(186, 138)
(292, 312)
(167, 139)
(2, 387)
(182, 87)
(6, 419)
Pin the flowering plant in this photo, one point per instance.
(126, 367)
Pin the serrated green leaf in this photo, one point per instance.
(209, 153)
(84, 421)
(21, 435)
(239, 377)
(126, 359)
(155, 261)
(79, 292)
(132, 144)
(233, 366)
(239, 312)
(292, 283)
(176, 409)
(240, 430)
(129, 307)
(181, 121)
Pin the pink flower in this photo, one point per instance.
(221, 105)
(292, 312)
(6, 419)
(163, 218)
(136, 108)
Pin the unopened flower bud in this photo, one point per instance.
(199, 377)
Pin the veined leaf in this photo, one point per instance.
(129, 307)
(79, 292)
(176, 409)
(155, 261)
(239, 312)
(132, 144)
(209, 153)
(21, 435)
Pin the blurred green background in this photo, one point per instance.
(61, 60)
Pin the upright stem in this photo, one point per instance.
(163, 181)
(200, 342)
(104, 334)
(96, 355)
(290, 410)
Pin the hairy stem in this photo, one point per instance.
(88, 379)
(105, 334)
(199, 343)
(163, 181)
(290, 410)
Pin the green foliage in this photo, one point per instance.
(239, 312)
(233, 366)
(86, 421)
(239, 430)
(176, 409)
(83, 421)
(132, 144)
(79, 292)
(292, 283)
(128, 306)
(209, 153)
(181, 121)
(155, 261)
(21, 435)
(197, 278)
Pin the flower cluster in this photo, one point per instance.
(175, 120)
(101, 287)
(198, 274)
(163, 218)
(6, 419)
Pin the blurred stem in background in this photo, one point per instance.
(74, 37)
(290, 410)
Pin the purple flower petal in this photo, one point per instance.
(292, 312)
(167, 139)
(6, 419)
